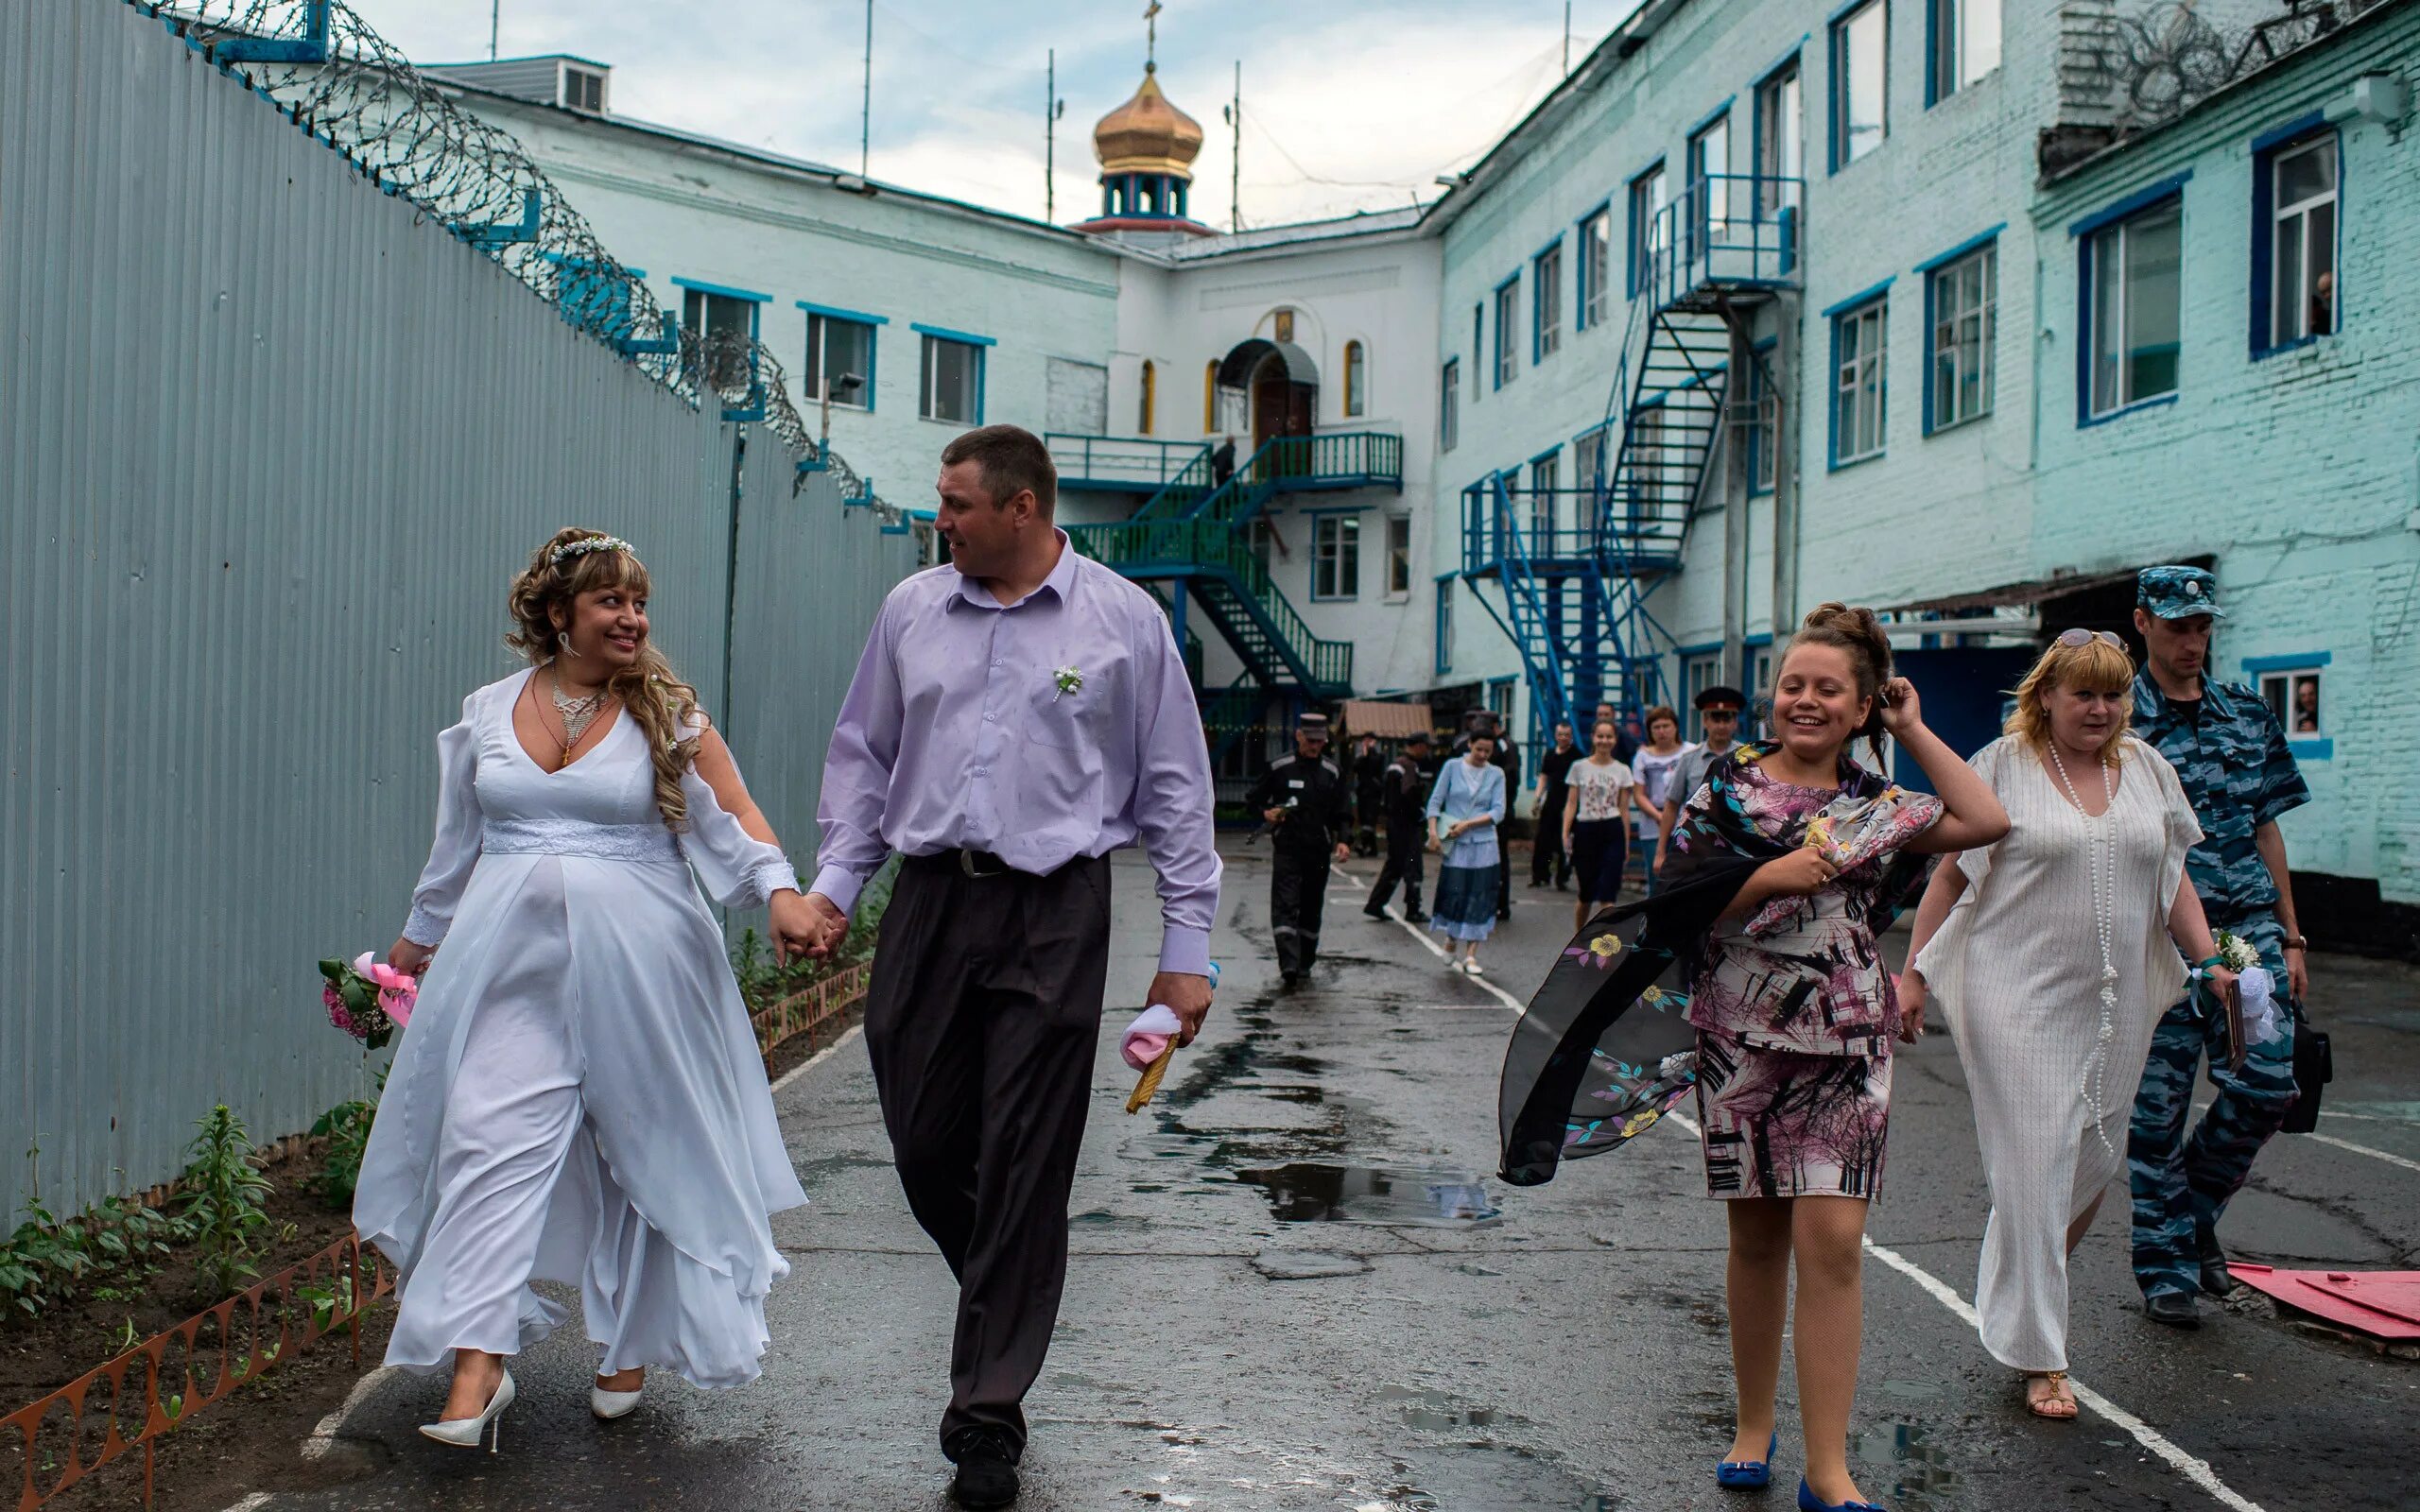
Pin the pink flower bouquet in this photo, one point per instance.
(368, 999)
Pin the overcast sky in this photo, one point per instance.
(1348, 104)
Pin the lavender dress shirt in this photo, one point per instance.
(955, 734)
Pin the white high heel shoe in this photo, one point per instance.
(465, 1433)
(609, 1405)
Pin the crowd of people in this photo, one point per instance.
(578, 1097)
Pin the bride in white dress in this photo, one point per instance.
(2053, 954)
(578, 1097)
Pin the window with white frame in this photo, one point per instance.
(1588, 476)
(1860, 82)
(1764, 424)
(1965, 36)
(1965, 337)
(1760, 690)
(1335, 556)
(1646, 477)
(1478, 345)
(1507, 302)
(1398, 558)
(1444, 626)
(2302, 229)
(1649, 231)
(584, 90)
(727, 325)
(2134, 268)
(1356, 380)
(1698, 672)
(1781, 141)
(1858, 393)
(840, 353)
(1545, 303)
(1545, 478)
(1449, 404)
(1596, 267)
(953, 386)
(2293, 697)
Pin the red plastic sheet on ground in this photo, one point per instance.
(2383, 1303)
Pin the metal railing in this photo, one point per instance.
(1502, 522)
(1731, 229)
(1185, 547)
(1125, 461)
(159, 1385)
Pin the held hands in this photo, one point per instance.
(410, 956)
(1188, 995)
(807, 927)
(1912, 996)
(1902, 710)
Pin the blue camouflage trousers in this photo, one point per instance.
(2182, 1185)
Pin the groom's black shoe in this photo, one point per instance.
(987, 1468)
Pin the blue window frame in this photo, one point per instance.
(1961, 45)
(1961, 330)
(1545, 302)
(1595, 270)
(1507, 304)
(1860, 107)
(2291, 686)
(1710, 180)
(2297, 187)
(2130, 301)
(1764, 421)
(1449, 404)
(1444, 624)
(1861, 375)
(1778, 128)
(952, 387)
(722, 315)
(840, 346)
(1649, 229)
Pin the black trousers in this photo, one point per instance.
(1406, 847)
(1297, 895)
(1549, 861)
(981, 1021)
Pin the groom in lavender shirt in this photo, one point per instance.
(1018, 714)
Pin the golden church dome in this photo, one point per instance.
(1146, 134)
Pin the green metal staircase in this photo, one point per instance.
(1190, 535)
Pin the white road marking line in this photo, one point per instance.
(1439, 951)
(257, 1499)
(818, 1058)
(2194, 1469)
(2409, 1164)
(323, 1437)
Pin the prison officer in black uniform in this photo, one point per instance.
(1405, 793)
(1308, 807)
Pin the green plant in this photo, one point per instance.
(346, 1128)
(49, 1259)
(222, 1206)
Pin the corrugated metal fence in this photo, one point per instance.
(272, 443)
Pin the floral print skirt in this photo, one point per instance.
(1782, 1124)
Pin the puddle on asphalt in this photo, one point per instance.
(1920, 1477)
(1437, 1411)
(1317, 1191)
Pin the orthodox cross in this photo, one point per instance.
(1151, 37)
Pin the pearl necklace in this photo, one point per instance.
(576, 713)
(2102, 860)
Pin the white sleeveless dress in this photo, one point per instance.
(2016, 971)
(579, 1096)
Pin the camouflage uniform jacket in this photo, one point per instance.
(2230, 753)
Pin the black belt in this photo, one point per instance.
(978, 864)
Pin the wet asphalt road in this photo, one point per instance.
(1297, 1284)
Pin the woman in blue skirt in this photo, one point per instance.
(1464, 808)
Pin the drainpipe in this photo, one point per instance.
(1786, 512)
(1734, 525)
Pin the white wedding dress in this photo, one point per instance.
(579, 1096)
(2016, 970)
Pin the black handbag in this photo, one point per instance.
(2314, 1067)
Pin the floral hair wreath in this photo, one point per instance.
(586, 544)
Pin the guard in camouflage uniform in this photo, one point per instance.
(1308, 807)
(2230, 752)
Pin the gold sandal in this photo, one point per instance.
(2058, 1404)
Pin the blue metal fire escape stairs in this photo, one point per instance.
(1577, 566)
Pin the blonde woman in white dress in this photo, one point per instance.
(578, 1097)
(2053, 955)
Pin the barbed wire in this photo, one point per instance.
(2169, 58)
(337, 78)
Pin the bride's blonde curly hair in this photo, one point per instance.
(648, 688)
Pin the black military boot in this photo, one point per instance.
(2216, 1278)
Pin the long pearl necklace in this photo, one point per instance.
(2101, 850)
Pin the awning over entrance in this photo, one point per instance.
(2015, 595)
(1388, 721)
(1236, 368)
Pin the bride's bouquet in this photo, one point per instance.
(368, 999)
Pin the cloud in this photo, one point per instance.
(1346, 106)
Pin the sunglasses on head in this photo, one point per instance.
(2072, 639)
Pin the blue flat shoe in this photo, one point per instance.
(1809, 1502)
(1748, 1475)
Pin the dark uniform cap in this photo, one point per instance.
(1707, 697)
(1311, 724)
(2178, 592)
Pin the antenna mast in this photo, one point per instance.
(1053, 108)
(865, 97)
(1235, 172)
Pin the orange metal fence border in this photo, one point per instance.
(331, 1289)
(811, 1007)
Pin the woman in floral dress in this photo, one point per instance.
(1794, 1014)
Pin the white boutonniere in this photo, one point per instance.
(2239, 954)
(1068, 680)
